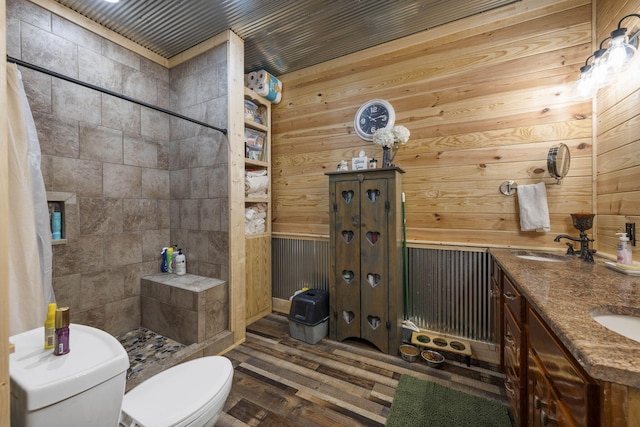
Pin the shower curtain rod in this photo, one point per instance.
(110, 92)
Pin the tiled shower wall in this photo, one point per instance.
(114, 158)
(198, 158)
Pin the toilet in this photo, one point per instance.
(86, 386)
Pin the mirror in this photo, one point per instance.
(558, 161)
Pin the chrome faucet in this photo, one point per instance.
(586, 254)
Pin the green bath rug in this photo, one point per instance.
(419, 403)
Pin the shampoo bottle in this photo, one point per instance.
(624, 251)
(181, 263)
(62, 332)
(50, 327)
(163, 266)
(56, 224)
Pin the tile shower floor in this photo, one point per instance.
(146, 347)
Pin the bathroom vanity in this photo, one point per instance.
(561, 366)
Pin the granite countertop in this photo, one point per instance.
(565, 293)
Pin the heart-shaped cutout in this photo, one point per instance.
(348, 275)
(347, 235)
(374, 321)
(373, 279)
(373, 195)
(373, 237)
(348, 316)
(347, 196)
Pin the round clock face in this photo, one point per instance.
(373, 115)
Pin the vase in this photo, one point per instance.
(388, 154)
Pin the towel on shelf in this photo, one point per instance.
(534, 212)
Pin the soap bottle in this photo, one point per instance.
(624, 251)
(170, 259)
(181, 263)
(62, 332)
(49, 327)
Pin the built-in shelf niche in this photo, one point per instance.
(61, 201)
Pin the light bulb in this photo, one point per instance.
(620, 52)
(584, 86)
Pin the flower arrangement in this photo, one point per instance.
(390, 138)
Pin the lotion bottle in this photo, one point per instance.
(624, 251)
(181, 263)
(49, 327)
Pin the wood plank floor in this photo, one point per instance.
(281, 381)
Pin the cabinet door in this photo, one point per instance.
(578, 393)
(545, 409)
(347, 258)
(374, 262)
(514, 363)
(497, 317)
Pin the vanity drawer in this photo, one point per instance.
(513, 299)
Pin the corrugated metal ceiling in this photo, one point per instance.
(280, 35)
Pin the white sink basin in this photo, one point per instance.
(542, 256)
(623, 324)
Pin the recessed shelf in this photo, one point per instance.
(60, 202)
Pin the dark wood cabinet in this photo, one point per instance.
(365, 290)
(544, 382)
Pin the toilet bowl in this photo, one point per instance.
(86, 386)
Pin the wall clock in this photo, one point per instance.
(373, 115)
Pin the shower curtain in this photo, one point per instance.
(29, 252)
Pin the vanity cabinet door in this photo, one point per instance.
(545, 409)
(497, 313)
(515, 367)
(573, 387)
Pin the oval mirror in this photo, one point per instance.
(558, 161)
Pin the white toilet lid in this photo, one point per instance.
(179, 394)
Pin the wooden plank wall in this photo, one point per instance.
(618, 136)
(484, 98)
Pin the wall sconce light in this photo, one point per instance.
(608, 62)
(584, 88)
(621, 51)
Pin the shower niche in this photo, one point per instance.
(59, 205)
(365, 288)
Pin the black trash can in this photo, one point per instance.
(309, 315)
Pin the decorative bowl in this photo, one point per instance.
(432, 358)
(409, 352)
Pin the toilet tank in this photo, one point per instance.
(82, 388)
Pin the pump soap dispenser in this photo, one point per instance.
(624, 250)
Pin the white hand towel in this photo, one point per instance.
(534, 212)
